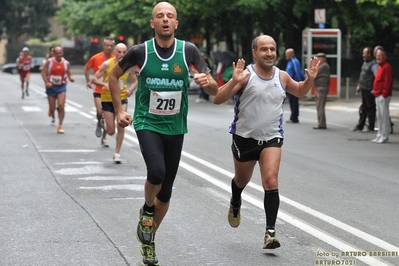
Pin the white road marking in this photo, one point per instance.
(79, 163)
(112, 178)
(86, 115)
(69, 151)
(116, 187)
(74, 104)
(138, 198)
(69, 108)
(31, 108)
(3, 109)
(85, 170)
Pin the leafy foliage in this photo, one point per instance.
(369, 22)
(26, 17)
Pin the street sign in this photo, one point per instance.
(320, 16)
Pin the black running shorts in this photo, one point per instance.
(109, 107)
(248, 149)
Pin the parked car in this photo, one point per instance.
(13, 69)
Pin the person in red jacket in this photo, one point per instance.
(382, 90)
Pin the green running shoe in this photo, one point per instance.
(145, 227)
(148, 253)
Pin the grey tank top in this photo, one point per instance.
(258, 111)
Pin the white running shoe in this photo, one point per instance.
(104, 142)
(117, 158)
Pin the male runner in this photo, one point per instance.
(47, 56)
(160, 116)
(95, 62)
(55, 73)
(259, 92)
(25, 66)
(106, 100)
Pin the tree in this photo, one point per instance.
(104, 17)
(26, 17)
(237, 22)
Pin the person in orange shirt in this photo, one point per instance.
(55, 72)
(94, 63)
(25, 65)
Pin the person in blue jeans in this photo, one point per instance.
(294, 69)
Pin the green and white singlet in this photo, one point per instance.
(161, 96)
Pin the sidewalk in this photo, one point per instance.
(355, 101)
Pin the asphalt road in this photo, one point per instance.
(64, 202)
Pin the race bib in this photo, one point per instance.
(56, 80)
(26, 67)
(165, 102)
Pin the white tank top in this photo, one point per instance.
(258, 111)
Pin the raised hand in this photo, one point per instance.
(238, 71)
(313, 68)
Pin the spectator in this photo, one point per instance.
(293, 69)
(322, 84)
(382, 90)
(365, 86)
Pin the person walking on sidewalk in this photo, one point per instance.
(293, 69)
(322, 84)
(365, 86)
(382, 90)
(101, 79)
(55, 72)
(160, 115)
(94, 63)
(257, 128)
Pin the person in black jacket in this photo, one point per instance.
(365, 86)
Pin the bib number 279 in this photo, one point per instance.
(165, 102)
